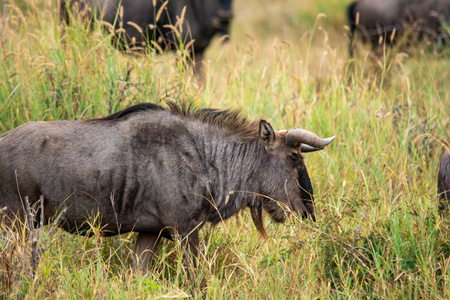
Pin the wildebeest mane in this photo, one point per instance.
(228, 120)
(132, 110)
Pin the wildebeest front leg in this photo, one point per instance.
(144, 250)
(190, 245)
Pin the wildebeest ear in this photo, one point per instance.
(266, 134)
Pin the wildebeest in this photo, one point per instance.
(163, 24)
(443, 184)
(380, 21)
(157, 171)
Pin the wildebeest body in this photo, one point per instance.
(382, 21)
(156, 171)
(143, 23)
(103, 160)
(443, 185)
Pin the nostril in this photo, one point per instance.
(305, 215)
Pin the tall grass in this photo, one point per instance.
(378, 234)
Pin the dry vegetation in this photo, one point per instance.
(378, 234)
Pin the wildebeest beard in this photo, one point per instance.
(307, 193)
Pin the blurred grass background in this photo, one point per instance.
(378, 234)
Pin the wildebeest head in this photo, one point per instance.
(290, 186)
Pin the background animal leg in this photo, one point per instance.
(198, 61)
(443, 185)
(144, 250)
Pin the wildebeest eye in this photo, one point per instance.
(294, 158)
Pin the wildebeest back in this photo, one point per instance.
(107, 164)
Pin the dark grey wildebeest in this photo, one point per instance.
(158, 171)
(443, 184)
(379, 22)
(164, 24)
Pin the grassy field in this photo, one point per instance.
(377, 235)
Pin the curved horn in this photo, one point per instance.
(310, 142)
(306, 148)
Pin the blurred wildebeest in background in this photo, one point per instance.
(443, 184)
(158, 172)
(380, 22)
(162, 24)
